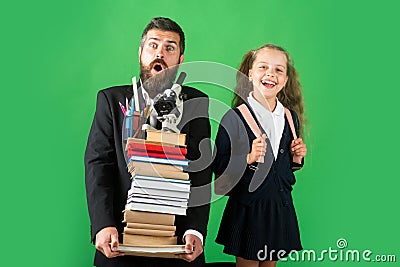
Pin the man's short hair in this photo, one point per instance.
(167, 25)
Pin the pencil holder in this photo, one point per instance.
(132, 126)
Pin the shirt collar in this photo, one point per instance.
(279, 109)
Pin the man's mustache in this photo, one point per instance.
(157, 61)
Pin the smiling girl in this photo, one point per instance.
(259, 225)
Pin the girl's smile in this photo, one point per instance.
(268, 84)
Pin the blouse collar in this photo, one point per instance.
(260, 109)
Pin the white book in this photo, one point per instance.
(153, 249)
(158, 192)
(160, 185)
(158, 197)
(153, 200)
(162, 251)
(155, 208)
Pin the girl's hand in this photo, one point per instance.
(298, 150)
(258, 149)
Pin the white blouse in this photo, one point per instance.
(272, 122)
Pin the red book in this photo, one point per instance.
(167, 150)
(144, 153)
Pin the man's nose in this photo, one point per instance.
(159, 52)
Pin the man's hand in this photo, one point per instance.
(103, 239)
(193, 248)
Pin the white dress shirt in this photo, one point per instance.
(272, 122)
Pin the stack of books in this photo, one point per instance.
(160, 190)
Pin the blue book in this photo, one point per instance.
(175, 162)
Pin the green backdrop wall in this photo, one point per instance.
(57, 54)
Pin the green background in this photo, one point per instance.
(57, 54)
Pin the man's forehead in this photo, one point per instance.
(168, 36)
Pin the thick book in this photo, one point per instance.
(148, 192)
(161, 251)
(160, 179)
(172, 198)
(144, 141)
(157, 170)
(152, 232)
(146, 240)
(158, 201)
(155, 166)
(155, 208)
(166, 137)
(151, 226)
(162, 183)
(141, 217)
(181, 163)
(134, 144)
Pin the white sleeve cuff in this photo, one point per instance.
(194, 232)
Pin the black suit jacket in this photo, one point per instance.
(107, 178)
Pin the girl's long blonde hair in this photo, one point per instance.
(290, 96)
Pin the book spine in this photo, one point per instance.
(158, 192)
(155, 155)
(165, 137)
(159, 173)
(151, 232)
(175, 198)
(155, 208)
(155, 166)
(148, 217)
(160, 185)
(143, 240)
(181, 163)
(151, 200)
(168, 150)
(151, 226)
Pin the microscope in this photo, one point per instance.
(169, 106)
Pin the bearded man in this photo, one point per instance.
(107, 179)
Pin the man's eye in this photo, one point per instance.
(170, 48)
(153, 45)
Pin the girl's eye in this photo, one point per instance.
(279, 70)
(262, 67)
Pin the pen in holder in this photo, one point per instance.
(133, 124)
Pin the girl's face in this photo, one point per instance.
(268, 73)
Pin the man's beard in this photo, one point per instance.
(158, 83)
